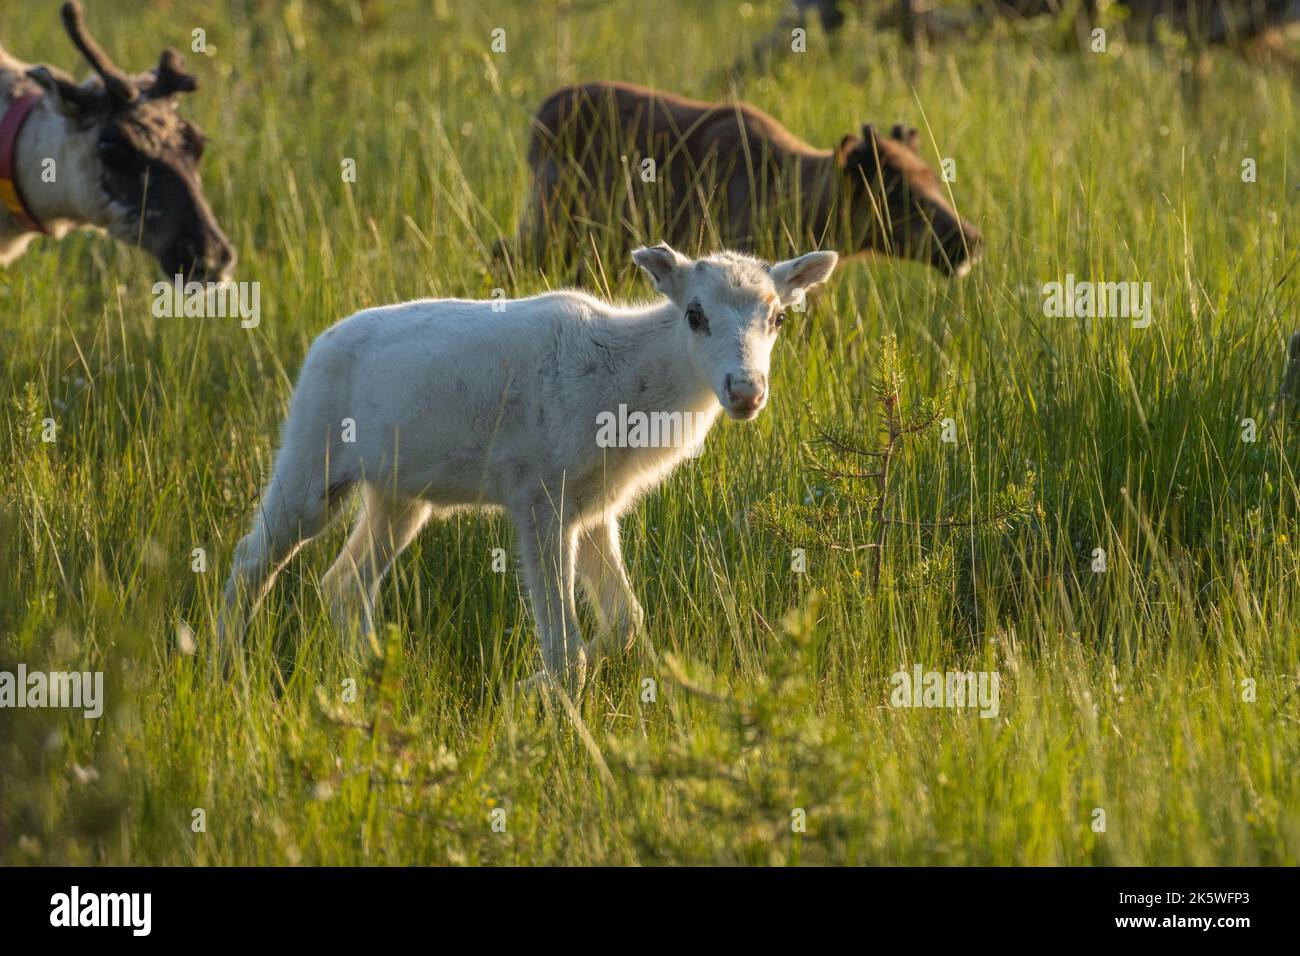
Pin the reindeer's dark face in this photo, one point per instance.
(140, 177)
(897, 204)
(149, 173)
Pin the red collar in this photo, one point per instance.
(10, 197)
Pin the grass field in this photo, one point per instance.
(1162, 691)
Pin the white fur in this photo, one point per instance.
(74, 200)
(457, 405)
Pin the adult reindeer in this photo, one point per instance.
(111, 153)
(732, 168)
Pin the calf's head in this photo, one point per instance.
(732, 307)
(894, 203)
(139, 175)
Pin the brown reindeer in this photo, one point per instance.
(1287, 405)
(111, 153)
(1252, 28)
(614, 164)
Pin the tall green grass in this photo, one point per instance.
(1120, 691)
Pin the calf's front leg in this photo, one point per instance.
(604, 578)
(548, 548)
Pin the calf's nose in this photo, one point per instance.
(745, 394)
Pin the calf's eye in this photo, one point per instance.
(695, 316)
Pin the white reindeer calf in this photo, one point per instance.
(437, 405)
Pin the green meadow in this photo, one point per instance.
(1141, 607)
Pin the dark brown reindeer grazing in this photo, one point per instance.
(111, 153)
(614, 163)
(1287, 405)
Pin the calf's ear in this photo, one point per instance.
(794, 277)
(665, 266)
(73, 101)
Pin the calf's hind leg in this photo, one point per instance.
(386, 524)
(291, 512)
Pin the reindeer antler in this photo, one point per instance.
(119, 86)
(171, 77)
